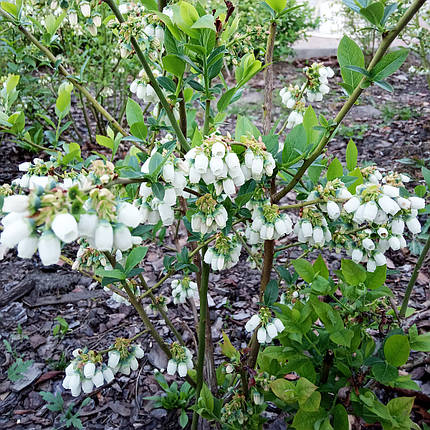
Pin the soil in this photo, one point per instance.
(35, 294)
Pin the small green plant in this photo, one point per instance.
(17, 369)
(391, 112)
(174, 398)
(61, 329)
(357, 131)
(55, 403)
(59, 364)
(20, 333)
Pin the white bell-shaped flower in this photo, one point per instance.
(15, 203)
(87, 225)
(413, 225)
(417, 202)
(49, 248)
(129, 215)
(65, 227)
(122, 239)
(333, 210)
(27, 247)
(15, 231)
(103, 236)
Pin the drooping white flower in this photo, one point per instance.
(15, 231)
(397, 226)
(333, 210)
(85, 9)
(370, 211)
(417, 202)
(27, 247)
(49, 248)
(413, 225)
(357, 255)
(352, 204)
(122, 239)
(388, 205)
(129, 215)
(15, 203)
(87, 225)
(103, 237)
(65, 227)
(252, 323)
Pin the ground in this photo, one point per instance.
(391, 130)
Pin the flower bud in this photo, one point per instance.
(85, 9)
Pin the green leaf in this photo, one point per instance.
(271, 292)
(351, 155)
(389, 64)
(419, 342)
(385, 86)
(321, 267)
(384, 372)
(304, 269)
(174, 65)
(150, 4)
(350, 54)
(340, 418)
(426, 175)
(112, 274)
(294, 145)
(304, 420)
(205, 21)
(320, 286)
(133, 112)
(373, 13)
(135, 257)
(9, 8)
(335, 170)
(225, 99)
(227, 348)
(158, 190)
(357, 174)
(244, 127)
(207, 398)
(353, 273)
(105, 141)
(397, 349)
(342, 337)
(155, 162)
(183, 419)
(139, 130)
(310, 121)
(377, 278)
(62, 104)
(11, 83)
(400, 408)
(283, 389)
(277, 5)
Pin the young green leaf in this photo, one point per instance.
(351, 155)
(135, 257)
(353, 273)
(133, 112)
(389, 64)
(350, 54)
(397, 349)
(335, 170)
(304, 269)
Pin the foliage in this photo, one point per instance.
(253, 18)
(16, 370)
(55, 403)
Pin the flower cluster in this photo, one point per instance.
(181, 360)
(183, 289)
(143, 89)
(315, 87)
(159, 303)
(123, 356)
(210, 216)
(268, 327)
(216, 164)
(224, 254)
(268, 223)
(85, 372)
(317, 84)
